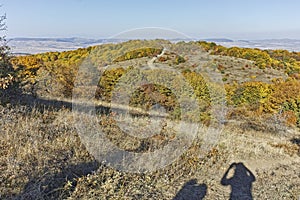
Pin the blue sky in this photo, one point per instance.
(234, 19)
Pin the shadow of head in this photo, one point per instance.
(191, 190)
(240, 181)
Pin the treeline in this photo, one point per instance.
(55, 73)
(139, 53)
(58, 69)
(277, 59)
(259, 99)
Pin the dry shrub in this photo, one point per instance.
(291, 118)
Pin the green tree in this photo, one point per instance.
(6, 70)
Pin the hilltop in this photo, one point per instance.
(247, 112)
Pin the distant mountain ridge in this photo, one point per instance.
(24, 45)
(72, 39)
(218, 40)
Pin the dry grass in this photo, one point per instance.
(42, 157)
(242, 70)
(37, 148)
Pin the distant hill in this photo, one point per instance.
(23, 45)
(218, 40)
(287, 44)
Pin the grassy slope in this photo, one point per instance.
(42, 156)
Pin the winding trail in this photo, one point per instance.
(150, 62)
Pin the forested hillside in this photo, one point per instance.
(272, 85)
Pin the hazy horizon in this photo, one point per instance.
(100, 38)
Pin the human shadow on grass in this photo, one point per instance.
(191, 190)
(240, 182)
(40, 104)
(51, 186)
(35, 103)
